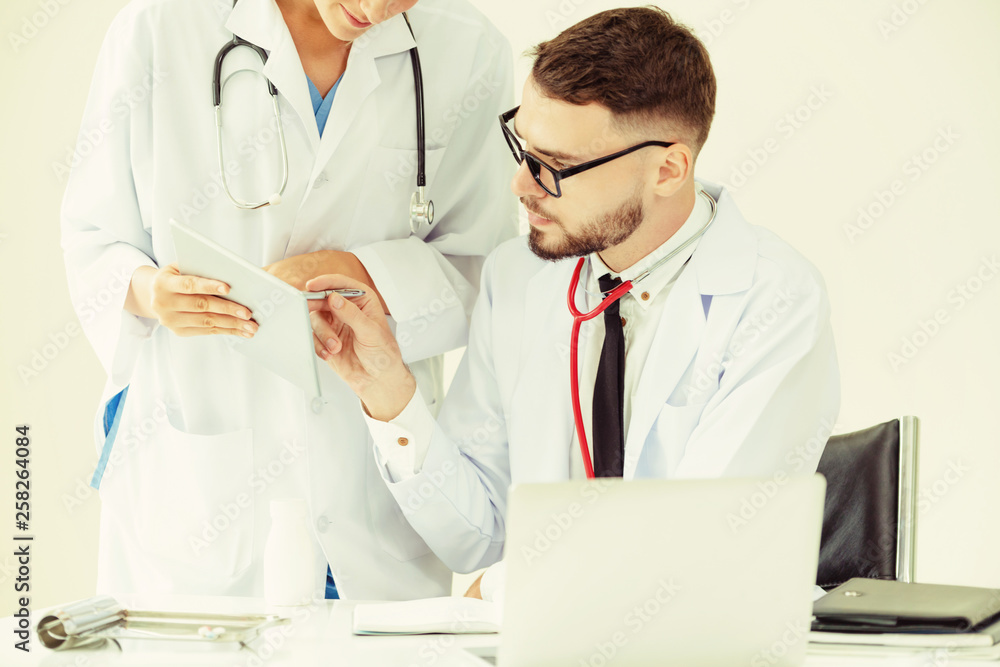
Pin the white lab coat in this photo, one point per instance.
(207, 438)
(741, 381)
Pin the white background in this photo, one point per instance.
(892, 78)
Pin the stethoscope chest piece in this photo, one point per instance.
(421, 211)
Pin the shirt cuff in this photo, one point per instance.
(401, 444)
(492, 585)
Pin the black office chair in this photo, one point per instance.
(871, 495)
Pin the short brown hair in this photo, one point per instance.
(638, 63)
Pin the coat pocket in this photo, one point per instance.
(194, 506)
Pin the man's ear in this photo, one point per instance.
(674, 168)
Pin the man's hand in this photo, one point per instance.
(300, 269)
(187, 305)
(475, 590)
(354, 338)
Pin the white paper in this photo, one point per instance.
(447, 615)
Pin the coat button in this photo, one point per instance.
(645, 296)
(322, 523)
(624, 321)
(403, 442)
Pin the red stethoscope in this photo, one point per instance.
(580, 317)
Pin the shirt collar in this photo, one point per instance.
(664, 275)
(256, 21)
(386, 39)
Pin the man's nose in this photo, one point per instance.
(524, 184)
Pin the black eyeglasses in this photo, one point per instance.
(548, 178)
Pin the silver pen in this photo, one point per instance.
(348, 293)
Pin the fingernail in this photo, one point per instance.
(223, 289)
(324, 354)
(244, 314)
(330, 343)
(246, 334)
(336, 301)
(248, 327)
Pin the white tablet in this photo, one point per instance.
(284, 341)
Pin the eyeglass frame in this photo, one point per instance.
(559, 174)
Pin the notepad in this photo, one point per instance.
(984, 638)
(447, 615)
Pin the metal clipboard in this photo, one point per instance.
(96, 620)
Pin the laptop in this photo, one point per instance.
(688, 572)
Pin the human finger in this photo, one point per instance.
(191, 332)
(352, 316)
(316, 305)
(186, 284)
(320, 348)
(334, 281)
(222, 324)
(325, 334)
(200, 303)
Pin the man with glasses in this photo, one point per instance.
(690, 343)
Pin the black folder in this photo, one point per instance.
(879, 606)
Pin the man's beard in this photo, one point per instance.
(597, 235)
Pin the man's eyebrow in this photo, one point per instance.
(556, 155)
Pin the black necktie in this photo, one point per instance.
(609, 390)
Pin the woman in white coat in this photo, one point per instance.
(195, 438)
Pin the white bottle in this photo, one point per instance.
(289, 560)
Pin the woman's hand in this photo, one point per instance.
(300, 269)
(354, 338)
(187, 305)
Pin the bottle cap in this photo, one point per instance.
(289, 508)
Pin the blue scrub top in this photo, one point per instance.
(322, 105)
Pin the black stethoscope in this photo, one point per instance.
(421, 208)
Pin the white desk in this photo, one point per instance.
(321, 635)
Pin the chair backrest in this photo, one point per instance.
(868, 521)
